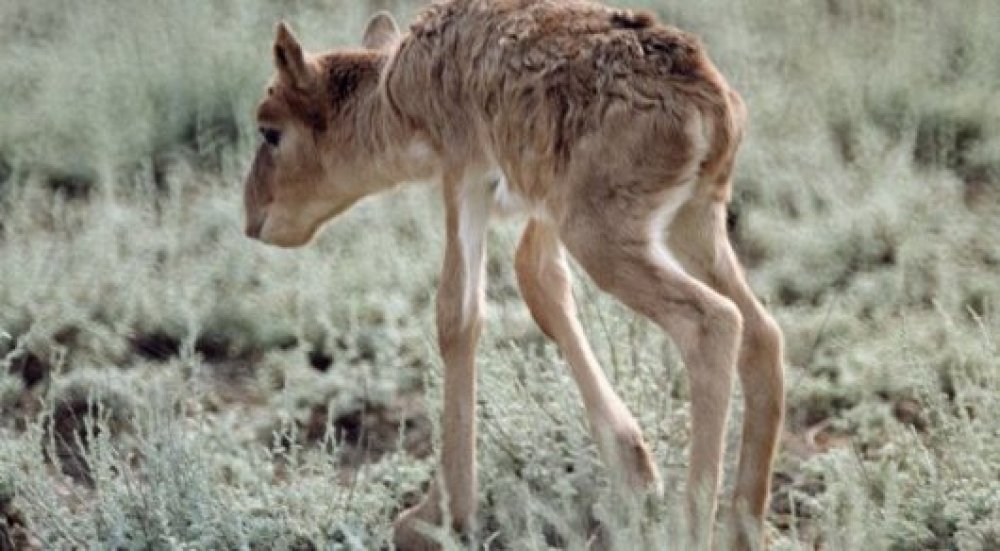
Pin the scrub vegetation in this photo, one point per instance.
(167, 383)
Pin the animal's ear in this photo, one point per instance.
(380, 31)
(289, 59)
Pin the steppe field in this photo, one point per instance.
(167, 383)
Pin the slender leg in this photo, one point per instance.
(625, 257)
(546, 286)
(760, 363)
(460, 305)
(762, 377)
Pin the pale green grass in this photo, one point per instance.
(867, 195)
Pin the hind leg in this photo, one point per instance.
(621, 248)
(698, 235)
(545, 283)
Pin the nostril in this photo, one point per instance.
(253, 228)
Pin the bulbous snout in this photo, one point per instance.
(257, 193)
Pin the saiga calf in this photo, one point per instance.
(616, 135)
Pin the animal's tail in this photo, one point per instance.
(728, 118)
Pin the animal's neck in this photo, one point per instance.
(397, 150)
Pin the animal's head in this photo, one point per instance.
(312, 162)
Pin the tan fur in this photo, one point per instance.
(617, 136)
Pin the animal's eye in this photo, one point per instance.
(271, 136)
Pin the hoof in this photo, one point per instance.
(747, 533)
(637, 465)
(412, 525)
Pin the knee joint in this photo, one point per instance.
(456, 330)
(764, 337)
(724, 319)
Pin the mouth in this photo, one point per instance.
(274, 227)
(259, 230)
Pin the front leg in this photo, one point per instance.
(460, 307)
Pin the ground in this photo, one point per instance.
(165, 382)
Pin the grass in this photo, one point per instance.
(166, 383)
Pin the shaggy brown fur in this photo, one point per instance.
(535, 79)
(616, 135)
